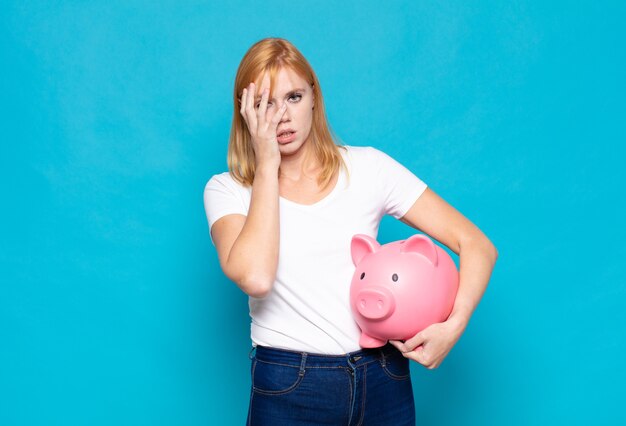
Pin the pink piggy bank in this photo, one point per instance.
(400, 288)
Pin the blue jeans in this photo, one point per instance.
(367, 387)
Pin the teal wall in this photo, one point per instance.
(114, 114)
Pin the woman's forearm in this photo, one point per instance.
(255, 252)
(477, 258)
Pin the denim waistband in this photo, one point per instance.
(307, 359)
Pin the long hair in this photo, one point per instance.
(272, 54)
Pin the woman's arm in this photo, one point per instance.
(477, 256)
(248, 246)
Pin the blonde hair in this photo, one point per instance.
(272, 54)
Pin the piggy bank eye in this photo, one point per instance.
(394, 277)
(362, 275)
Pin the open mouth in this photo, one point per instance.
(287, 135)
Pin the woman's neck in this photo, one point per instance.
(300, 165)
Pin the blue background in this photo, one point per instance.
(114, 114)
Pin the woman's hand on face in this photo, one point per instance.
(261, 127)
(430, 346)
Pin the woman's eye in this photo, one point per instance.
(296, 97)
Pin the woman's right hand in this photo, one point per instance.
(261, 127)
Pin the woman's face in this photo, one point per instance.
(297, 94)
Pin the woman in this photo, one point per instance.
(282, 220)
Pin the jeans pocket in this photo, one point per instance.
(275, 379)
(396, 367)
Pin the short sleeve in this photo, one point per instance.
(399, 187)
(221, 197)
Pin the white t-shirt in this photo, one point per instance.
(308, 308)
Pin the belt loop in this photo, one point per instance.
(302, 364)
(250, 353)
(382, 354)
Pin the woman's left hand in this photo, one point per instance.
(430, 346)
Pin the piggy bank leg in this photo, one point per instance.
(370, 342)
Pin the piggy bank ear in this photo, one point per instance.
(361, 246)
(421, 245)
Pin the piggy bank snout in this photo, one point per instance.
(375, 303)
